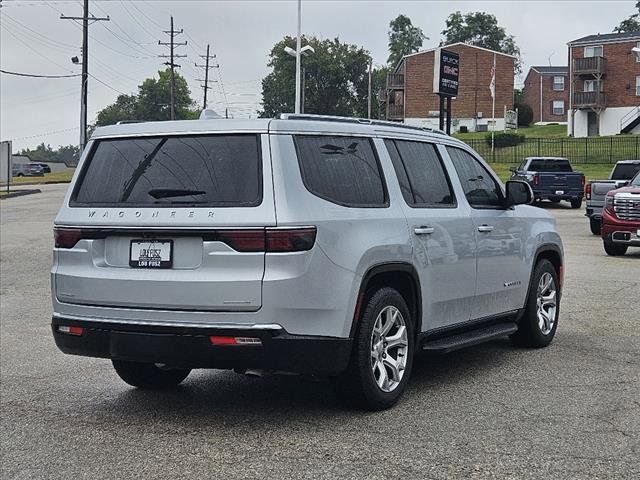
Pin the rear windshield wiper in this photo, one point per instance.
(173, 192)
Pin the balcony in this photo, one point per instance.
(395, 80)
(395, 112)
(589, 100)
(590, 66)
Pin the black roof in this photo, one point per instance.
(607, 37)
(547, 70)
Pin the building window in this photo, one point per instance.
(593, 51)
(558, 84)
(558, 107)
(591, 86)
(638, 85)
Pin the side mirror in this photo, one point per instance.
(518, 193)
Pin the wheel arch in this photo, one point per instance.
(552, 253)
(400, 275)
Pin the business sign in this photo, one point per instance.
(511, 119)
(446, 72)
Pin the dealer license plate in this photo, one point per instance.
(559, 192)
(638, 233)
(151, 253)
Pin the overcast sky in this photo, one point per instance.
(123, 51)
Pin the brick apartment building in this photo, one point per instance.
(410, 98)
(546, 91)
(604, 82)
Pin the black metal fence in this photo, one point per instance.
(578, 150)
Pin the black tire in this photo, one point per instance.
(529, 332)
(595, 225)
(357, 386)
(577, 203)
(613, 249)
(149, 375)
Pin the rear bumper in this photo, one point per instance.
(190, 346)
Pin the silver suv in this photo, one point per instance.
(307, 244)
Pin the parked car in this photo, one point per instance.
(551, 178)
(621, 218)
(596, 191)
(26, 170)
(45, 166)
(308, 244)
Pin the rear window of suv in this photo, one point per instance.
(206, 170)
(341, 170)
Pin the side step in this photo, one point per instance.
(469, 338)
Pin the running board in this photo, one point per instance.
(469, 338)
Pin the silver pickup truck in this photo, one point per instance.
(596, 191)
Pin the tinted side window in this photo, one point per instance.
(479, 186)
(342, 170)
(422, 178)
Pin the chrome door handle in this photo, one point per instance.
(485, 228)
(424, 230)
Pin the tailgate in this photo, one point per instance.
(568, 181)
(182, 231)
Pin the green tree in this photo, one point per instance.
(68, 155)
(482, 30)
(630, 24)
(404, 38)
(152, 102)
(336, 79)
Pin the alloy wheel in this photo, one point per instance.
(389, 348)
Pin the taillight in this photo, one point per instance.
(536, 179)
(225, 341)
(587, 191)
(66, 237)
(583, 181)
(290, 239)
(241, 240)
(267, 240)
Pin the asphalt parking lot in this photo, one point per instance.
(569, 411)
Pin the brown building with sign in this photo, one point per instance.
(410, 98)
(604, 82)
(546, 91)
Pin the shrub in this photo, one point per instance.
(505, 139)
(525, 114)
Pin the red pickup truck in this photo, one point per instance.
(621, 218)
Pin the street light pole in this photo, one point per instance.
(298, 47)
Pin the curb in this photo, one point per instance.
(48, 182)
(20, 193)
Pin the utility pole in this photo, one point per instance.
(171, 63)
(206, 81)
(298, 62)
(369, 90)
(85, 67)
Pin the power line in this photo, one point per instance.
(20, 74)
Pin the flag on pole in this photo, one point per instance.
(492, 85)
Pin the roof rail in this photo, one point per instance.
(124, 122)
(360, 121)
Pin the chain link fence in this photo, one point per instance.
(577, 150)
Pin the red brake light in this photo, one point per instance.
(223, 341)
(290, 239)
(536, 179)
(66, 237)
(583, 181)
